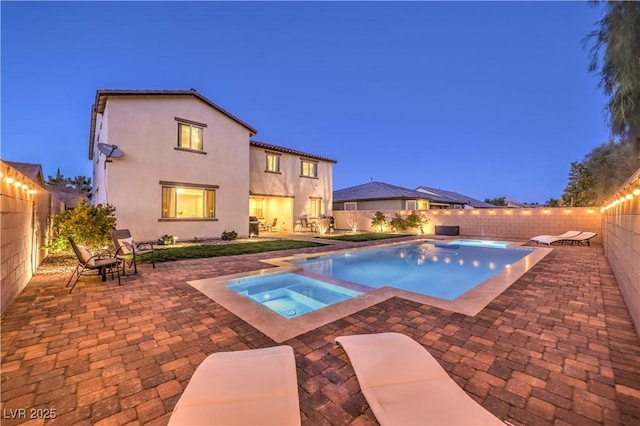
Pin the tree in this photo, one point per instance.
(379, 220)
(498, 201)
(59, 181)
(87, 225)
(553, 202)
(615, 56)
(78, 184)
(609, 165)
(579, 191)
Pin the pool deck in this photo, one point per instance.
(557, 347)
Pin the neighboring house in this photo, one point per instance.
(448, 198)
(187, 167)
(384, 196)
(69, 197)
(286, 185)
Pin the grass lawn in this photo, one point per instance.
(197, 252)
(370, 236)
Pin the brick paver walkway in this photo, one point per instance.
(557, 347)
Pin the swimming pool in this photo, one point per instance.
(441, 270)
(291, 294)
(281, 328)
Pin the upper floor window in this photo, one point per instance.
(411, 205)
(273, 163)
(183, 202)
(190, 136)
(309, 168)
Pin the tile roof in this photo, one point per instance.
(264, 145)
(375, 191)
(30, 170)
(454, 197)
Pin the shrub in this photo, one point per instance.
(166, 240)
(229, 235)
(379, 220)
(86, 224)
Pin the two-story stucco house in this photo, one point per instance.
(189, 168)
(287, 185)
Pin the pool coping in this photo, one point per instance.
(281, 329)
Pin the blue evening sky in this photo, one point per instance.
(487, 99)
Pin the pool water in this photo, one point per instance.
(441, 270)
(479, 243)
(291, 295)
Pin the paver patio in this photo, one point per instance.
(557, 347)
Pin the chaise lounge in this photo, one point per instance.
(548, 239)
(250, 387)
(583, 237)
(404, 384)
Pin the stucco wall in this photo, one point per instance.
(622, 244)
(290, 183)
(495, 223)
(146, 130)
(25, 222)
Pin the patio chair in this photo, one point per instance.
(250, 387)
(87, 262)
(548, 239)
(306, 226)
(404, 384)
(128, 250)
(273, 226)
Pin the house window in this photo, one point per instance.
(190, 136)
(351, 206)
(423, 205)
(188, 203)
(273, 163)
(315, 207)
(309, 169)
(411, 204)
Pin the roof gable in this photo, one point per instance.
(102, 96)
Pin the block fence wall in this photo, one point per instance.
(621, 223)
(26, 213)
(506, 223)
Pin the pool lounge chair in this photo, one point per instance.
(584, 237)
(548, 239)
(404, 384)
(251, 387)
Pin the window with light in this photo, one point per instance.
(190, 136)
(309, 169)
(315, 207)
(188, 203)
(273, 163)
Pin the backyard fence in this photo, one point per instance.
(26, 219)
(490, 223)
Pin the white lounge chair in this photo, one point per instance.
(584, 237)
(548, 239)
(252, 387)
(405, 385)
